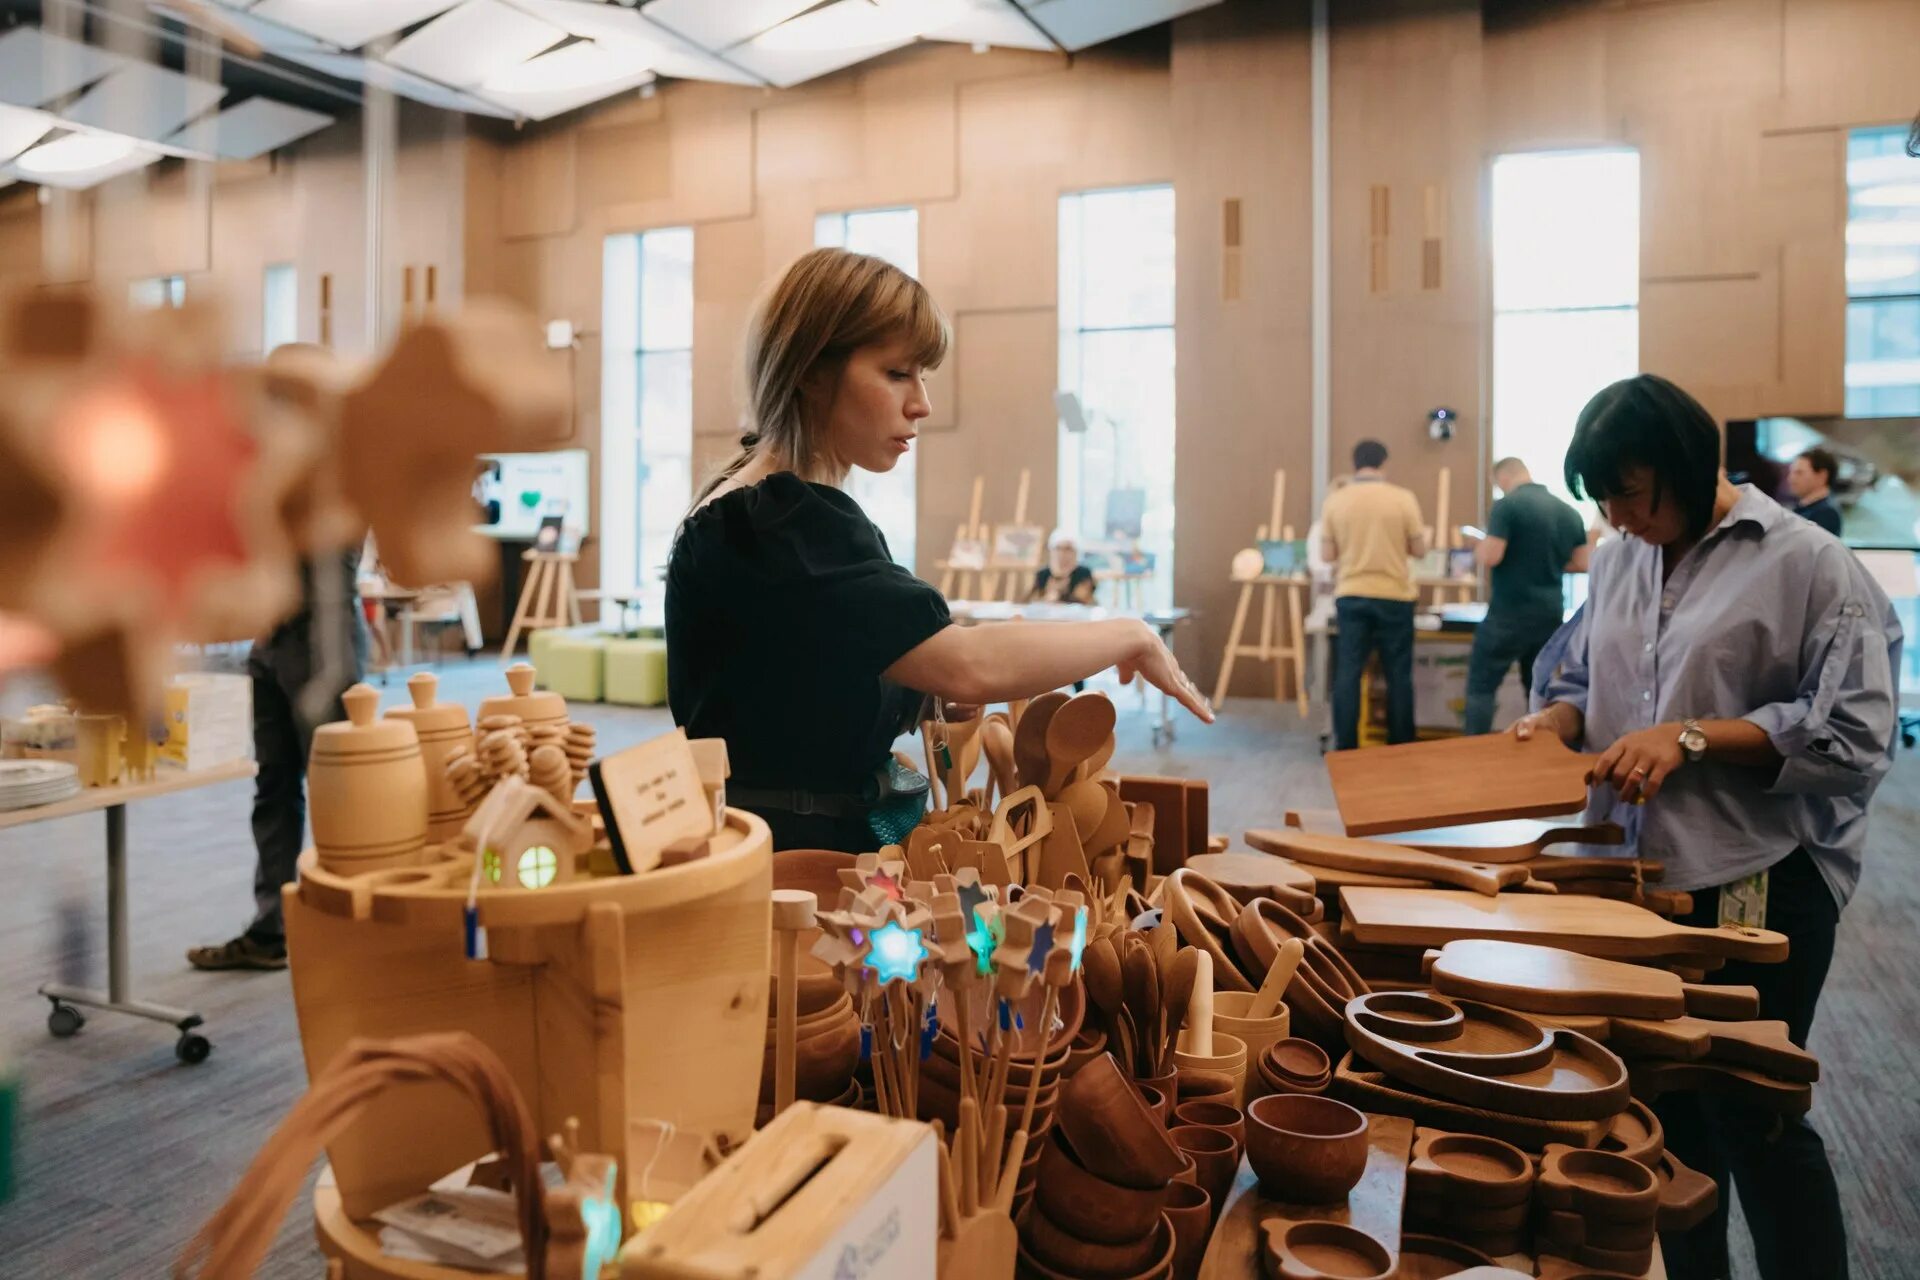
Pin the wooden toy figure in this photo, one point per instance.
(524, 838)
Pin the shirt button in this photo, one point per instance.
(1666, 602)
(1649, 646)
(1647, 696)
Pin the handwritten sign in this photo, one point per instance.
(650, 796)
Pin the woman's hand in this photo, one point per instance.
(1154, 662)
(1561, 719)
(1638, 764)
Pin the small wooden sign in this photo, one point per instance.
(650, 796)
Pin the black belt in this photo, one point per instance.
(804, 803)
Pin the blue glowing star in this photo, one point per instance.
(602, 1221)
(982, 939)
(1079, 943)
(1042, 948)
(896, 953)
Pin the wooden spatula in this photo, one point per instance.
(1077, 730)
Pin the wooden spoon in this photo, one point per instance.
(1030, 738)
(1179, 996)
(1100, 965)
(996, 739)
(1267, 999)
(1142, 984)
(1088, 802)
(1075, 732)
(1111, 831)
(1098, 760)
(965, 754)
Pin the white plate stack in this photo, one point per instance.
(25, 783)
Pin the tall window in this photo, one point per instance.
(646, 403)
(1566, 295)
(1116, 358)
(890, 499)
(279, 306)
(1883, 275)
(156, 293)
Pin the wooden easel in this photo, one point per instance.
(1283, 600)
(1016, 584)
(1444, 539)
(951, 578)
(547, 598)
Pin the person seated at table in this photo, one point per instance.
(791, 633)
(1734, 667)
(1063, 579)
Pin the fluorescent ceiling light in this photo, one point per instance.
(1896, 195)
(583, 65)
(1898, 232)
(75, 153)
(1875, 268)
(854, 24)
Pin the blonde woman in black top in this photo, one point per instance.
(790, 631)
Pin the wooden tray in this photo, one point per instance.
(1345, 853)
(1591, 926)
(1553, 980)
(1258, 875)
(1762, 1046)
(1487, 1057)
(1418, 785)
(1360, 1085)
(1374, 1205)
(1790, 1097)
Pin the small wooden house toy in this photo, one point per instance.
(524, 838)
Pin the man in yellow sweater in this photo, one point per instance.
(1368, 531)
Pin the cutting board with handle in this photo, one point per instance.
(1553, 980)
(1511, 840)
(1348, 854)
(1591, 926)
(1761, 1045)
(1417, 785)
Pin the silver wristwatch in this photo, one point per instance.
(1693, 741)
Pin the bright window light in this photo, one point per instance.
(279, 306)
(854, 24)
(1882, 373)
(75, 153)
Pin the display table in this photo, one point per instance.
(65, 1018)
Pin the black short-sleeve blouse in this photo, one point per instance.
(783, 608)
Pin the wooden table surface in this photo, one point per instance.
(165, 781)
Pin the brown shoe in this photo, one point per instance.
(239, 953)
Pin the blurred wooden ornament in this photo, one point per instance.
(451, 389)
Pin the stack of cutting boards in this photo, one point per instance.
(1672, 1034)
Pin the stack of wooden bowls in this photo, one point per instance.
(1100, 1201)
(1469, 1188)
(940, 1092)
(1292, 1065)
(826, 1048)
(1596, 1207)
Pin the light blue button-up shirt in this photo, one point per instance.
(1769, 619)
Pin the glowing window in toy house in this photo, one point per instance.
(490, 865)
(537, 867)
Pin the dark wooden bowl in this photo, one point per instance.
(1306, 1149)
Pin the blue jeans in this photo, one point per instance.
(1497, 645)
(1367, 625)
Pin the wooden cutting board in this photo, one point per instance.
(1491, 777)
(1513, 840)
(1374, 1205)
(1345, 853)
(1168, 796)
(1552, 980)
(1762, 1046)
(1258, 875)
(1591, 926)
(1756, 1088)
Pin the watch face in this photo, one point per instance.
(1693, 742)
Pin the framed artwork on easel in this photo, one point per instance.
(1019, 546)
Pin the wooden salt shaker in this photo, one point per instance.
(368, 788)
(792, 916)
(443, 729)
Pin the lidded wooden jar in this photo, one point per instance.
(534, 707)
(443, 730)
(368, 790)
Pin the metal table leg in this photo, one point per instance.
(66, 1018)
(1163, 731)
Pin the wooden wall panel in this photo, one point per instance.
(1699, 51)
(625, 165)
(541, 199)
(1699, 180)
(727, 271)
(1546, 76)
(1717, 337)
(1854, 62)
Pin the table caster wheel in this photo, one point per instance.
(64, 1020)
(193, 1048)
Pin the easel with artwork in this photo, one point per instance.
(1283, 607)
(548, 599)
(967, 561)
(1019, 551)
(1445, 538)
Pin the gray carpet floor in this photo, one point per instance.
(123, 1151)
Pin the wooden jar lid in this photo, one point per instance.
(429, 717)
(360, 733)
(531, 705)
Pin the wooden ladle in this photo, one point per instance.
(1076, 731)
(1030, 738)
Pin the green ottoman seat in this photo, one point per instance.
(571, 665)
(636, 674)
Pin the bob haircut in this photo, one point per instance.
(1647, 422)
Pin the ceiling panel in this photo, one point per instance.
(669, 54)
(347, 66)
(36, 67)
(583, 72)
(473, 43)
(21, 128)
(835, 36)
(144, 101)
(253, 128)
(268, 35)
(715, 24)
(1079, 24)
(69, 155)
(993, 22)
(349, 24)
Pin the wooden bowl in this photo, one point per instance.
(1229, 1056)
(1054, 1247)
(1113, 1130)
(1019, 1070)
(1160, 1268)
(823, 1062)
(818, 1022)
(1223, 1116)
(1297, 1062)
(1157, 1101)
(1596, 1185)
(1089, 1206)
(1468, 1171)
(1229, 1009)
(947, 1071)
(940, 1101)
(1306, 1149)
(1070, 1012)
(1435, 1258)
(815, 870)
(1215, 1156)
(1190, 1212)
(816, 988)
(1317, 1250)
(1202, 1086)
(1091, 1043)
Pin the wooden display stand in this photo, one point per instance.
(955, 579)
(636, 1003)
(1283, 603)
(547, 599)
(1448, 588)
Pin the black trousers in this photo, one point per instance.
(1497, 645)
(1778, 1163)
(1367, 625)
(282, 737)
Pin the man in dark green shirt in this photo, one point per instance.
(1532, 539)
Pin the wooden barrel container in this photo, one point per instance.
(533, 706)
(443, 729)
(367, 788)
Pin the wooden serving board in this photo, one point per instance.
(1558, 867)
(1258, 875)
(1591, 926)
(1511, 840)
(1651, 1079)
(1374, 1205)
(1168, 796)
(1762, 1046)
(1552, 980)
(1378, 858)
(1418, 785)
(1358, 1084)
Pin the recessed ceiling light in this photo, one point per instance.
(854, 24)
(577, 66)
(75, 153)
